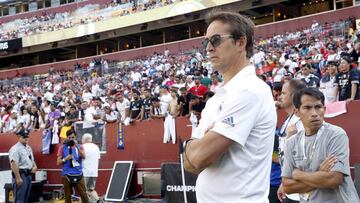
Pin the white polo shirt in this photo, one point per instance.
(91, 161)
(242, 110)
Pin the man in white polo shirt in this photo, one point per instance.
(90, 165)
(231, 148)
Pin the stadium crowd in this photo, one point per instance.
(48, 22)
(177, 84)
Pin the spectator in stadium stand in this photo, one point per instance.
(196, 105)
(70, 156)
(122, 105)
(258, 57)
(136, 78)
(146, 104)
(219, 150)
(155, 110)
(80, 111)
(171, 81)
(34, 116)
(316, 160)
(54, 115)
(90, 166)
(205, 80)
(135, 106)
(278, 73)
(169, 122)
(183, 101)
(307, 77)
(316, 57)
(291, 125)
(109, 116)
(327, 82)
(189, 82)
(214, 82)
(72, 116)
(165, 99)
(346, 81)
(92, 111)
(198, 89)
(355, 52)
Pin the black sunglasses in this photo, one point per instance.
(215, 40)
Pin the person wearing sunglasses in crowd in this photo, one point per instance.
(232, 146)
(23, 166)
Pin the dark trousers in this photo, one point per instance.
(22, 192)
(273, 194)
(79, 188)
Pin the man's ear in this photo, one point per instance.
(241, 42)
(297, 112)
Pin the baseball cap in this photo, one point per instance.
(23, 133)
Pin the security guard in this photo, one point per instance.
(23, 165)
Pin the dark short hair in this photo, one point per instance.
(332, 63)
(241, 26)
(307, 65)
(209, 94)
(310, 91)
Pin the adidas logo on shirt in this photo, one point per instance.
(229, 121)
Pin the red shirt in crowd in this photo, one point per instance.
(198, 90)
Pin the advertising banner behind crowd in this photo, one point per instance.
(172, 186)
(11, 45)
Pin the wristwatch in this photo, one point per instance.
(63, 160)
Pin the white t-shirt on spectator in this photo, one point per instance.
(87, 96)
(121, 108)
(167, 66)
(95, 90)
(165, 102)
(25, 119)
(333, 57)
(160, 67)
(10, 125)
(91, 161)
(166, 52)
(258, 57)
(292, 67)
(57, 88)
(279, 74)
(49, 96)
(88, 118)
(112, 116)
(48, 84)
(136, 77)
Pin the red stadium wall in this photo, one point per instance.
(143, 145)
(59, 9)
